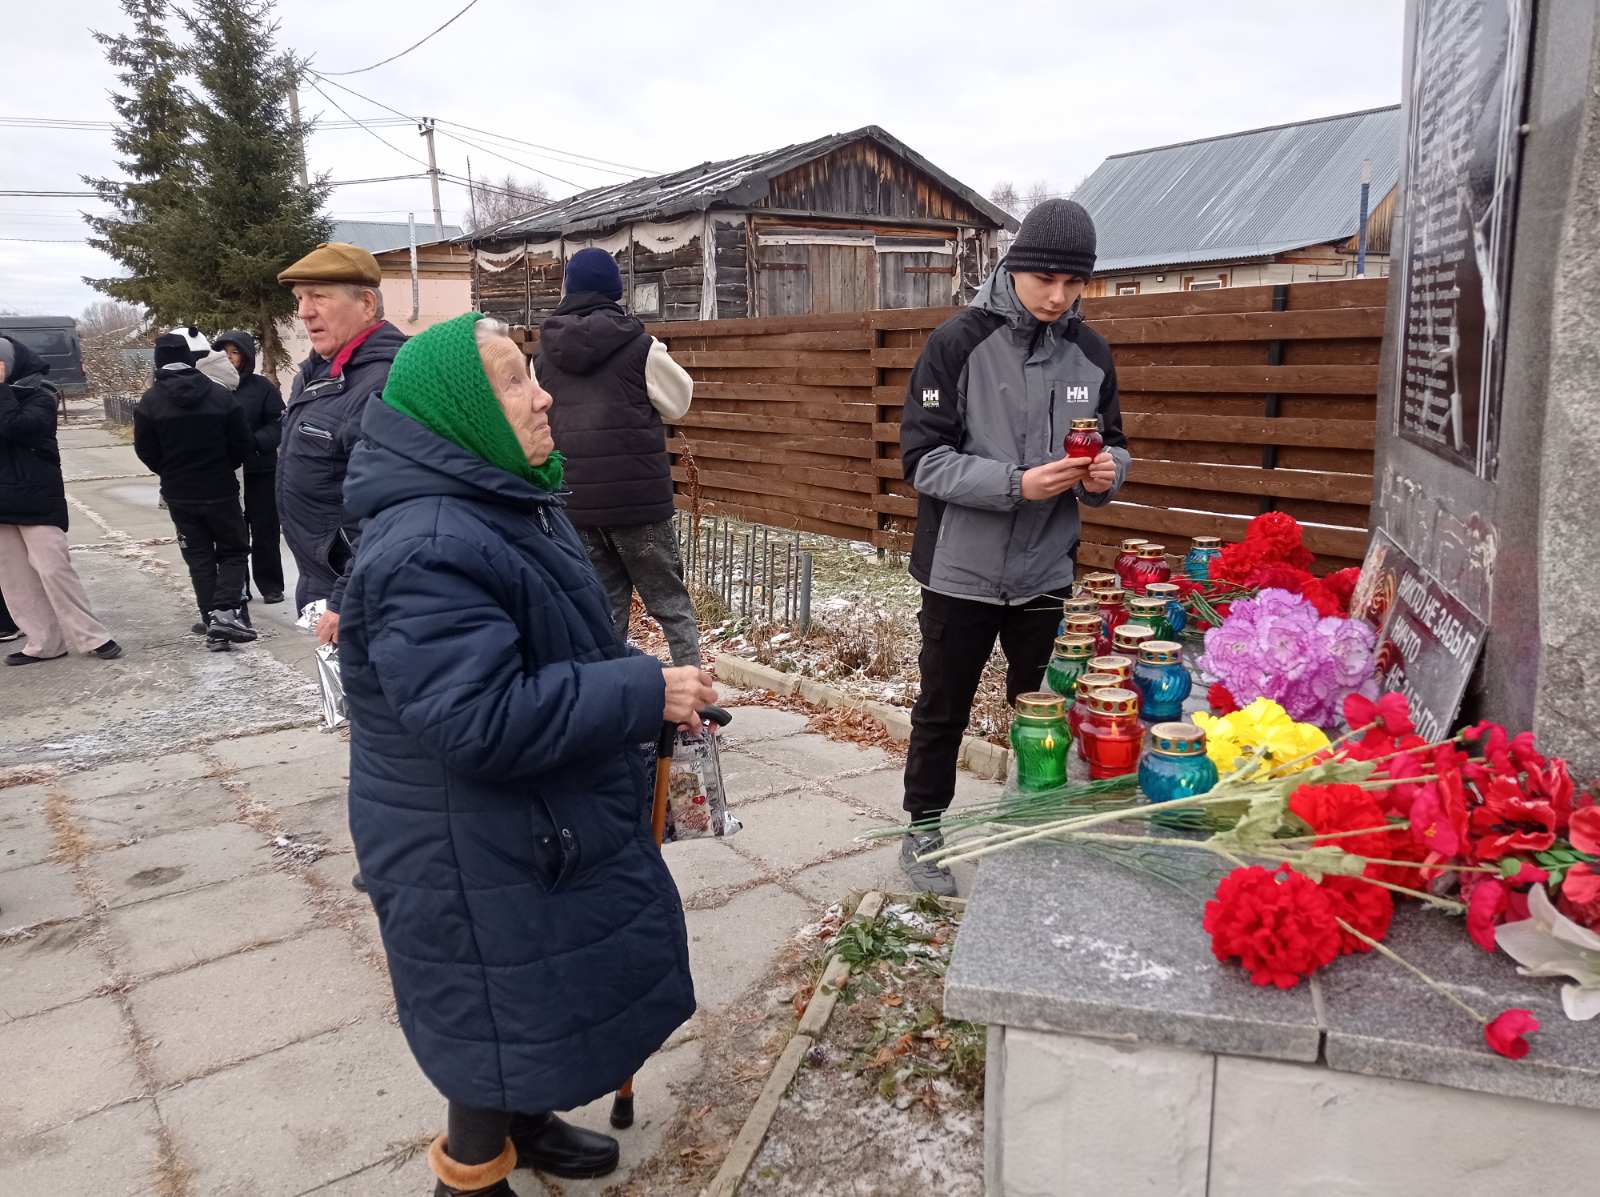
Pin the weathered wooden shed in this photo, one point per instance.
(845, 223)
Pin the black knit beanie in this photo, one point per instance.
(1057, 237)
(172, 349)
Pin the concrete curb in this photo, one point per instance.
(747, 1144)
(979, 757)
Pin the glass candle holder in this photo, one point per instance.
(1084, 605)
(1175, 764)
(1150, 566)
(1083, 439)
(1068, 663)
(1146, 611)
(1203, 550)
(1040, 739)
(1083, 625)
(1161, 680)
(1113, 613)
(1112, 733)
(1177, 617)
(1088, 683)
(1125, 560)
(1093, 582)
(1117, 665)
(1127, 639)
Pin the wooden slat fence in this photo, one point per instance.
(1235, 402)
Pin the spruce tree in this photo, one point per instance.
(144, 232)
(253, 216)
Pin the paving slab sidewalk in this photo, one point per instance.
(199, 1015)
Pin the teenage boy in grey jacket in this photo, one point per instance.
(989, 405)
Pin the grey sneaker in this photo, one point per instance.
(925, 875)
(227, 625)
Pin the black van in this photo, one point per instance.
(54, 338)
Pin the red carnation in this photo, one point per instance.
(1580, 896)
(1340, 808)
(1439, 816)
(1391, 712)
(1237, 562)
(1366, 907)
(1505, 1032)
(1220, 700)
(1277, 529)
(1275, 575)
(1342, 585)
(1280, 926)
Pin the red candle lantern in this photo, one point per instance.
(1113, 614)
(1088, 683)
(1084, 439)
(1125, 560)
(1112, 734)
(1150, 566)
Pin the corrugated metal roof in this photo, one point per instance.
(375, 236)
(735, 182)
(1243, 195)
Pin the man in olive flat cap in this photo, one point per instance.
(336, 288)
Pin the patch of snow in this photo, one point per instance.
(1121, 961)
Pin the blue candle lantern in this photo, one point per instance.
(1175, 764)
(1161, 680)
(1197, 562)
(1177, 617)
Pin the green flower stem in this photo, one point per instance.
(1400, 825)
(1413, 969)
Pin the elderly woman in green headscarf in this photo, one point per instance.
(535, 939)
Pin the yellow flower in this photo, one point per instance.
(1263, 726)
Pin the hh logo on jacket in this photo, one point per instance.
(930, 397)
(1076, 394)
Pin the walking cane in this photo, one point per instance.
(622, 1103)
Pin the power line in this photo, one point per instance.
(501, 136)
(478, 145)
(47, 240)
(50, 123)
(641, 170)
(411, 47)
(379, 136)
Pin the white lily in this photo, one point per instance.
(1549, 944)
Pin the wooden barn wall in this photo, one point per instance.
(865, 179)
(1235, 402)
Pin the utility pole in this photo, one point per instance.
(472, 194)
(300, 135)
(426, 129)
(1361, 229)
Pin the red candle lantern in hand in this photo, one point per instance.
(1084, 439)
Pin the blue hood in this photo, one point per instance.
(398, 460)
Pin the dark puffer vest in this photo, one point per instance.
(592, 361)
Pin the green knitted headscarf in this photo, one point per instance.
(437, 379)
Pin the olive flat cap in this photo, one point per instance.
(334, 262)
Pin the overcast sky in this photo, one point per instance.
(989, 91)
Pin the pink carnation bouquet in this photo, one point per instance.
(1277, 646)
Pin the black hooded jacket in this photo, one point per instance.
(260, 401)
(592, 359)
(190, 432)
(31, 491)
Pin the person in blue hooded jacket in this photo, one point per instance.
(535, 939)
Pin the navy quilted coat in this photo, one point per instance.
(535, 939)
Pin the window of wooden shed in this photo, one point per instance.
(1128, 288)
(646, 299)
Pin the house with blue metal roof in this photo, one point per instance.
(1282, 204)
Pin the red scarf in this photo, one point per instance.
(342, 358)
